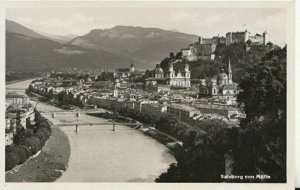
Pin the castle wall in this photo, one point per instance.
(257, 40)
(239, 37)
(205, 49)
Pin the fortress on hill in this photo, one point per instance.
(205, 48)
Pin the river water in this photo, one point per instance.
(100, 155)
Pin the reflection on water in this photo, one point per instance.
(100, 155)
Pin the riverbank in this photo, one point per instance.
(20, 80)
(48, 165)
(170, 142)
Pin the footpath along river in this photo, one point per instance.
(100, 155)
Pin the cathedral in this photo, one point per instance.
(180, 79)
(220, 86)
(171, 78)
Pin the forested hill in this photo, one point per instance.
(240, 60)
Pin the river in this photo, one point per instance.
(100, 155)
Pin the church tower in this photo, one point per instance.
(132, 69)
(187, 71)
(116, 92)
(229, 72)
(171, 71)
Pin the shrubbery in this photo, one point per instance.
(27, 142)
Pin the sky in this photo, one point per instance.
(202, 21)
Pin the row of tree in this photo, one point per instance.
(64, 98)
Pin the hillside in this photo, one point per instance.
(58, 38)
(24, 53)
(240, 60)
(107, 49)
(14, 27)
(144, 45)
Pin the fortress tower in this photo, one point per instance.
(265, 40)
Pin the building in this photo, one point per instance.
(258, 39)
(154, 108)
(204, 49)
(158, 72)
(220, 86)
(125, 72)
(214, 40)
(18, 99)
(243, 37)
(199, 52)
(183, 112)
(171, 78)
(179, 79)
(222, 110)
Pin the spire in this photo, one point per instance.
(229, 72)
(229, 66)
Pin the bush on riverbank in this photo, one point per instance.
(27, 142)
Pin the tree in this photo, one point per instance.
(178, 55)
(202, 156)
(164, 64)
(262, 147)
(20, 136)
(28, 123)
(172, 56)
(166, 122)
(249, 42)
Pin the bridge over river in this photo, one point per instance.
(100, 155)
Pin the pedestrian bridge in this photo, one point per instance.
(113, 124)
(54, 113)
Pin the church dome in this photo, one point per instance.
(222, 76)
(159, 71)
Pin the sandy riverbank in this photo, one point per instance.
(46, 166)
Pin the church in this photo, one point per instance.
(171, 78)
(220, 86)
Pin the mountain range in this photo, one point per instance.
(117, 47)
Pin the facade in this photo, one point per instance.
(243, 37)
(171, 78)
(17, 99)
(179, 79)
(199, 52)
(213, 40)
(220, 86)
(204, 49)
(158, 72)
(183, 113)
